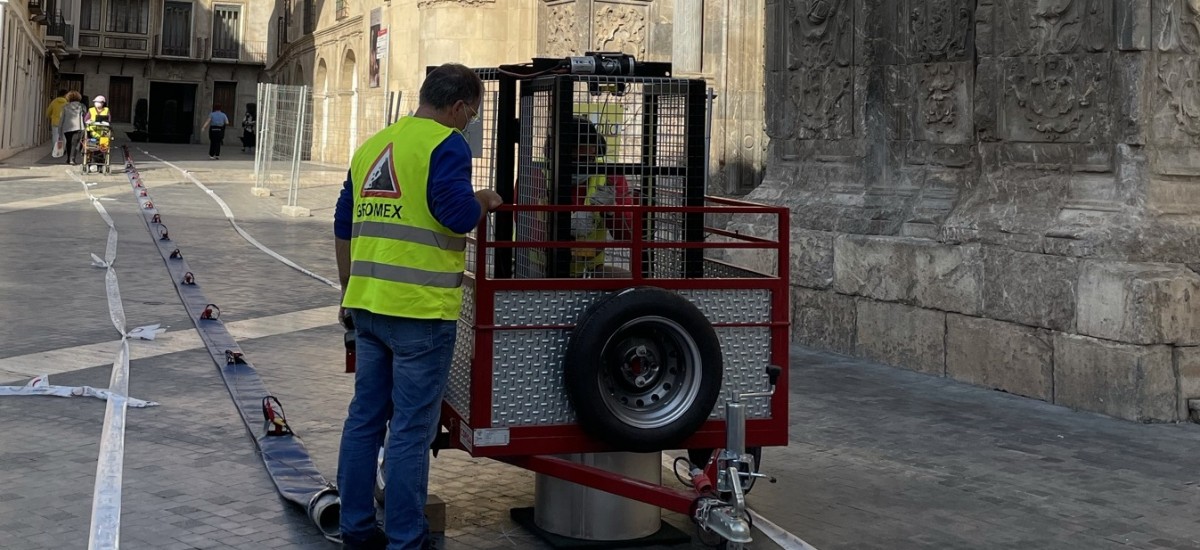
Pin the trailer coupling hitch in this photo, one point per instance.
(727, 520)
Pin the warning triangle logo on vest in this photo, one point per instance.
(381, 179)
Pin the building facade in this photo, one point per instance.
(163, 64)
(30, 47)
(359, 55)
(1002, 192)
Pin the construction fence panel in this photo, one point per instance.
(282, 125)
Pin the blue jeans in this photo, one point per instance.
(402, 366)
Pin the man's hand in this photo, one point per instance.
(489, 199)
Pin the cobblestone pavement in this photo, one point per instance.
(879, 458)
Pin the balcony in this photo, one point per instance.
(343, 10)
(58, 31)
(194, 48)
(250, 53)
(199, 49)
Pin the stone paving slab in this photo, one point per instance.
(879, 458)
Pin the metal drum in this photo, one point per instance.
(570, 510)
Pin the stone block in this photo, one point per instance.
(435, 514)
(902, 336)
(824, 320)
(925, 273)
(260, 191)
(811, 258)
(1031, 289)
(995, 354)
(1139, 303)
(1133, 23)
(1123, 380)
(296, 211)
(1187, 363)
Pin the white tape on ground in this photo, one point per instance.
(105, 529)
(75, 358)
(40, 385)
(236, 227)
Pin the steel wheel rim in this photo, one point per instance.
(650, 372)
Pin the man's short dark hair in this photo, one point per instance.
(449, 84)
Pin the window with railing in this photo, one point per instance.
(89, 15)
(227, 32)
(177, 29)
(56, 25)
(343, 10)
(128, 16)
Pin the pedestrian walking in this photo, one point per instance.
(216, 123)
(248, 124)
(402, 280)
(72, 127)
(54, 114)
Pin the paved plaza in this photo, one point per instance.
(879, 458)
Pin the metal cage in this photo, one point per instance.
(525, 291)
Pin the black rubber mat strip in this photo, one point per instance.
(283, 453)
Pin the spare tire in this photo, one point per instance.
(643, 369)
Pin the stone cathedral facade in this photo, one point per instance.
(1005, 192)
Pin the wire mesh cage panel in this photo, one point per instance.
(483, 139)
(610, 141)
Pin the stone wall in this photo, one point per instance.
(727, 51)
(1003, 192)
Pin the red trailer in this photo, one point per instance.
(608, 306)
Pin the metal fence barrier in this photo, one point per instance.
(304, 138)
(283, 119)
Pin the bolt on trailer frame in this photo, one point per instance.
(524, 295)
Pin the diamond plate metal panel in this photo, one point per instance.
(527, 379)
(563, 307)
(458, 390)
(747, 352)
(545, 307)
(722, 270)
(732, 306)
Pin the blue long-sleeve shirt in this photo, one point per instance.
(450, 196)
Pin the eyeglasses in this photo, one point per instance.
(474, 115)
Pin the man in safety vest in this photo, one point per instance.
(400, 226)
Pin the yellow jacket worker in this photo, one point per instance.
(54, 115)
(400, 227)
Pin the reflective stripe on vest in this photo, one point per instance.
(401, 274)
(410, 234)
(403, 262)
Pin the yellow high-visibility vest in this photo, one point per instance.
(404, 263)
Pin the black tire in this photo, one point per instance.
(643, 370)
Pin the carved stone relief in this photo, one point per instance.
(1178, 24)
(943, 103)
(940, 29)
(821, 38)
(1179, 94)
(562, 32)
(1056, 98)
(1057, 26)
(620, 28)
